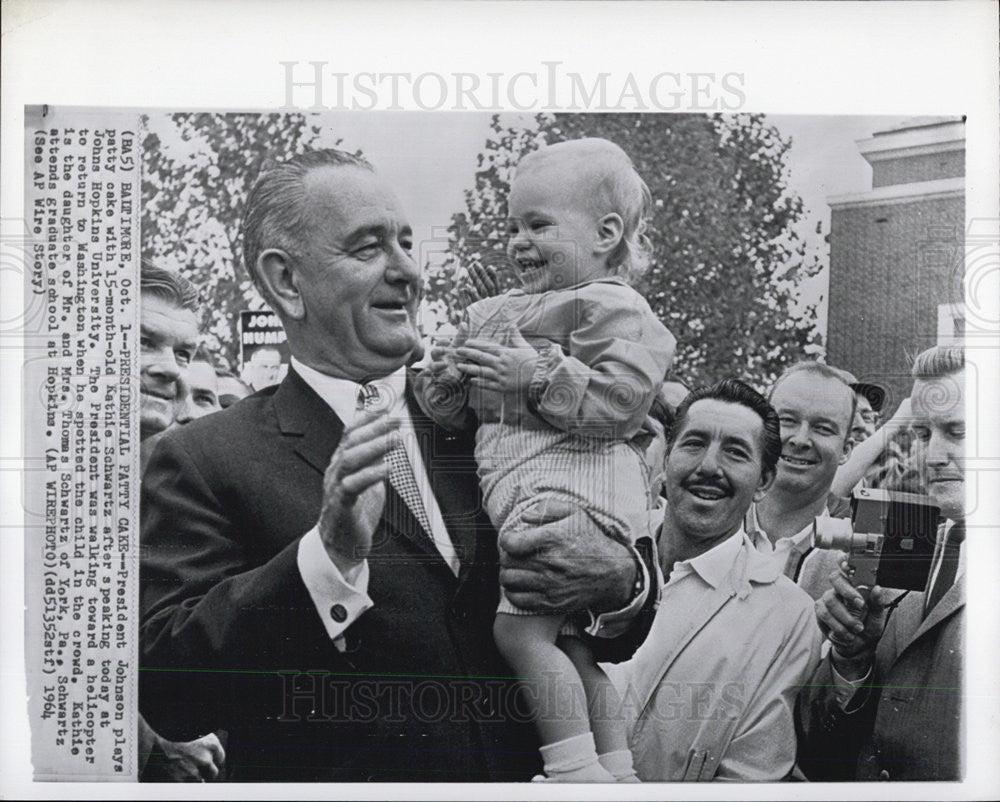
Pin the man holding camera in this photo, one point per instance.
(885, 703)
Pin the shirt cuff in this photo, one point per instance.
(614, 623)
(339, 600)
(845, 690)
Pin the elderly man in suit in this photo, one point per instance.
(886, 702)
(319, 577)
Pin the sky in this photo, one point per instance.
(431, 159)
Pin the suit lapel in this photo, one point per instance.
(317, 430)
(903, 625)
(952, 601)
(456, 488)
(302, 414)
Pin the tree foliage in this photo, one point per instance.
(197, 171)
(727, 261)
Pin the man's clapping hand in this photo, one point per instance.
(354, 489)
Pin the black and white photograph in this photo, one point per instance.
(321, 398)
(608, 281)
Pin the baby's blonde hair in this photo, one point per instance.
(610, 183)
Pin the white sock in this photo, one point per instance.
(620, 765)
(574, 760)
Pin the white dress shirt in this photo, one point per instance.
(327, 586)
(789, 551)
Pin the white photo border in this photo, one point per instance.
(795, 58)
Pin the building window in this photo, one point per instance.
(950, 323)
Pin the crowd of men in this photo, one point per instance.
(741, 650)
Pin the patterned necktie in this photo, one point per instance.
(949, 567)
(401, 475)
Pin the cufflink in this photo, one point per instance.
(338, 613)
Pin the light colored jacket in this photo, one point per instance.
(602, 358)
(711, 692)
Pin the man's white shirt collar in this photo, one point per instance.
(342, 394)
(799, 542)
(714, 565)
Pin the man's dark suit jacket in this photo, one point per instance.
(909, 728)
(231, 638)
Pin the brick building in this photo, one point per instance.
(896, 255)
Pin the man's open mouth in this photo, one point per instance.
(706, 492)
(798, 461)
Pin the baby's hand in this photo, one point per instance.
(443, 365)
(484, 282)
(501, 368)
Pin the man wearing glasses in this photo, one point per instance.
(870, 443)
(870, 398)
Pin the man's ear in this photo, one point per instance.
(848, 448)
(766, 480)
(279, 283)
(610, 230)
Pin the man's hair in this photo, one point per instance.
(265, 349)
(825, 371)
(168, 286)
(733, 391)
(614, 185)
(275, 215)
(938, 361)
